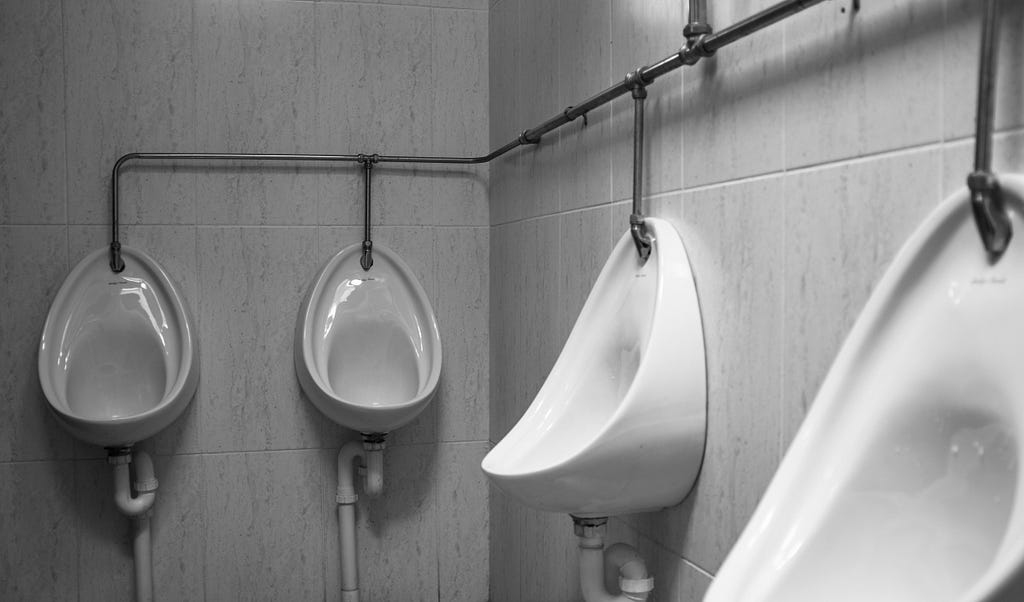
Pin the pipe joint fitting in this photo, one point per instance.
(695, 30)
(990, 214)
(635, 79)
(695, 50)
(524, 138)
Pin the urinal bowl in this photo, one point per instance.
(118, 357)
(619, 424)
(367, 347)
(904, 483)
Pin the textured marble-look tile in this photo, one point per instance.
(461, 82)
(734, 238)
(174, 248)
(549, 557)
(505, 574)
(33, 263)
(958, 160)
(415, 246)
(452, 4)
(960, 63)
(256, 84)
(501, 331)
(503, 48)
(848, 223)
(584, 68)
(31, 113)
(734, 104)
(535, 309)
(375, 94)
(585, 246)
(461, 196)
(130, 87)
(265, 526)
(463, 525)
(39, 549)
(396, 532)
(179, 527)
(862, 82)
(642, 33)
(251, 283)
(536, 78)
(105, 562)
(501, 196)
(462, 305)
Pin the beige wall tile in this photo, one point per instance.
(40, 523)
(245, 109)
(863, 82)
(265, 526)
(33, 263)
(130, 87)
(248, 396)
(32, 144)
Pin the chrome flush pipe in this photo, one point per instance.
(641, 238)
(697, 24)
(990, 213)
(366, 261)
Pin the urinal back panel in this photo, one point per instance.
(904, 480)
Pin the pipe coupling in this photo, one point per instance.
(694, 51)
(990, 213)
(366, 261)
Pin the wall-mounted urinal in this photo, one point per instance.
(118, 357)
(368, 355)
(904, 481)
(619, 425)
(367, 348)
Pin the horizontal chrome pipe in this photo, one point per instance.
(699, 46)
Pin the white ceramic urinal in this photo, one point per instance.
(118, 357)
(367, 348)
(619, 424)
(903, 484)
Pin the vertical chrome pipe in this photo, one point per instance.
(116, 261)
(366, 261)
(697, 21)
(641, 238)
(990, 214)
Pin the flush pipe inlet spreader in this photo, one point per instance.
(595, 560)
(139, 509)
(371, 467)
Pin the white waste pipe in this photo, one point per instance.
(138, 508)
(634, 582)
(372, 469)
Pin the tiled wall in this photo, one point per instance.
(246, 506)
(794, 165)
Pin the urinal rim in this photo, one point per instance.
(746, 551)
(187, 378)
(497, 467)
(305, 320)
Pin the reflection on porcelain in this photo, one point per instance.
(619, 425)
(367, 348)
(903, 482)
(118, 359)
